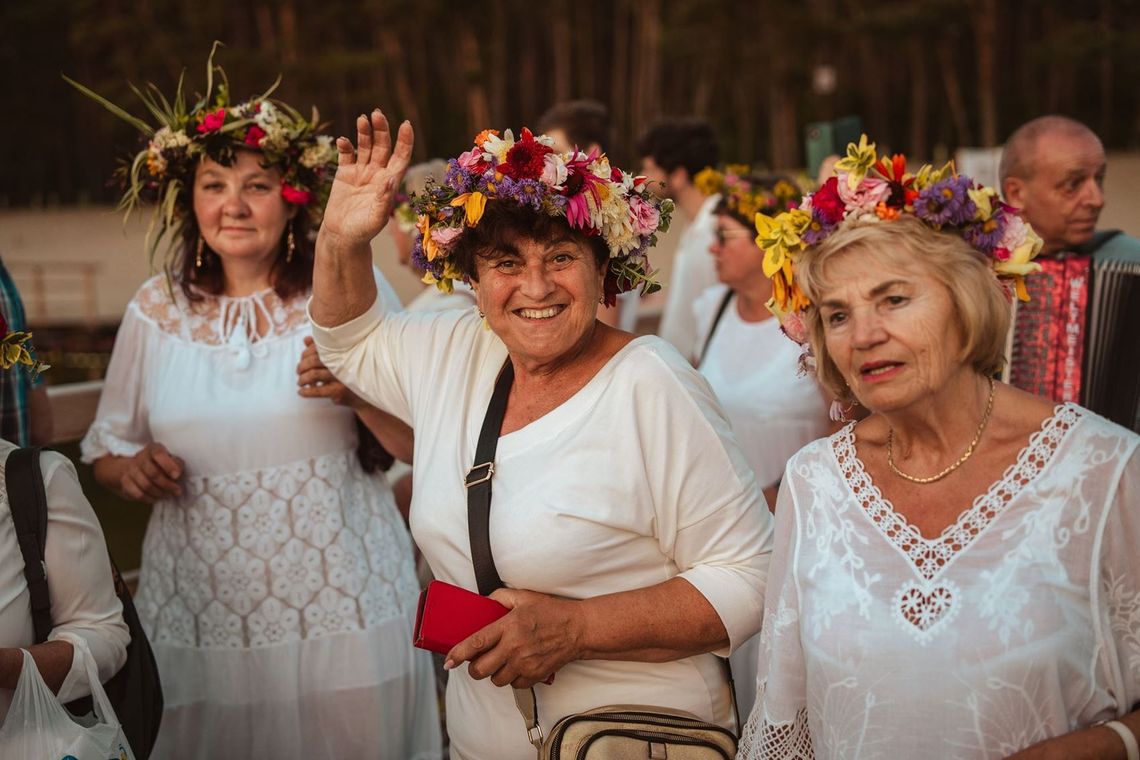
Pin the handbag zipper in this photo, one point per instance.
(647, 736)
(623, 717)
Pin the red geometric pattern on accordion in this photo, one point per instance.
(1049, 336)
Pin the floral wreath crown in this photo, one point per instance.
(744, 193)
(592, 196)
(867, 189)
(214, 128)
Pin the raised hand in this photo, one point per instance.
(367, 179)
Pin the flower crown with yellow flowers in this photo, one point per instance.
(867, 189)
(214, 128)
(744, 193)
(584, 189)
(16, 348)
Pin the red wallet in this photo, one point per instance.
(448, 614)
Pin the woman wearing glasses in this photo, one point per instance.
(774, 408)
(748, 361)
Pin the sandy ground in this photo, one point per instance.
(84, 264)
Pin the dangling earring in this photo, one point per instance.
(198, 257)
(291, 246)
(838, 412)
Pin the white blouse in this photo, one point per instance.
(278, 590)
(1020, 622)
(754, 370)
(694, 271)
(634, 480)
(83, 601)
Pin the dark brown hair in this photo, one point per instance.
(585, 122)
(504, 222)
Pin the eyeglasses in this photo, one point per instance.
(722, 235)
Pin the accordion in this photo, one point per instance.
(1078, 337)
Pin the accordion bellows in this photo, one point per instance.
(1078, 338)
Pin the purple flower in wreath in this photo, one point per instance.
(526, 192)
(946, 203)
(458, 178)
(984, 236)
(818, 229)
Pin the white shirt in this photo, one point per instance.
(1019, 623)
(694, 271)
(634, 480)
(754, 370)
(83, 601)
(432, 298)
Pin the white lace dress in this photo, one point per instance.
(278, 592)
(1019, 623)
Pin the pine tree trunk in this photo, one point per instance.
(984, 14)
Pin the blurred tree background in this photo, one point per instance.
(927, 76)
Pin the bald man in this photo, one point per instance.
(1052, 169)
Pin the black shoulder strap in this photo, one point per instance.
(716, 321)
(478, 483)
(28, 505)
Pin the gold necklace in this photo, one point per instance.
(961, 460)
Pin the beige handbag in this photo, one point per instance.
(628, 732)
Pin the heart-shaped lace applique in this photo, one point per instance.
(926, 608)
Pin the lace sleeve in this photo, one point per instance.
(778, 726)
(120, 427)
(1120, 568)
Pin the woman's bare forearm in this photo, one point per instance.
(631, 625)
(343, 285)
(395, 436)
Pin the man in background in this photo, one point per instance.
(1052, 169)
(673, 152)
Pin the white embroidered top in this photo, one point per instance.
(282, 561)
(1020, 622)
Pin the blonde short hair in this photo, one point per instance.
(981, 303)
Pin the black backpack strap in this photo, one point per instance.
(28, 505)
(478, 482)
(716, 321)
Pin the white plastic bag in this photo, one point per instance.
(39, 728)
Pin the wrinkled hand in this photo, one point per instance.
(364, 188)
(317, 382)
(539, 635)
(152, 475)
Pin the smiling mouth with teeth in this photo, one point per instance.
(880, 369)
(546, 313)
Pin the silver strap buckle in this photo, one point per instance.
(468, 482)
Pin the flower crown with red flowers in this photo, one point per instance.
(213, 128)
(869, 190)
(592, 196)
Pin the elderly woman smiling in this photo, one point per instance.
(625, 521)
(955, 575)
